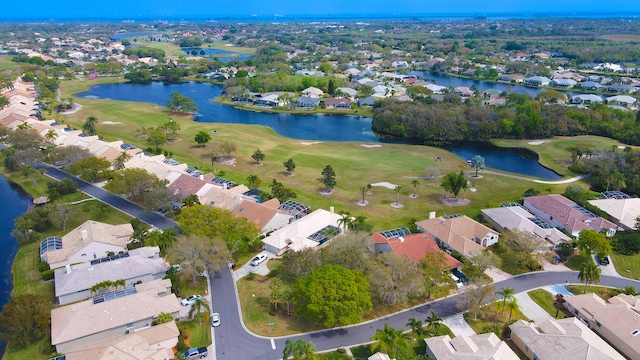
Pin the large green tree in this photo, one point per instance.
(332, 295)
(202, 138)
(212, 222)
(133, 183)
(196, 254)
(179, 103)
(90, 169)
(453, 183)
(25, 318)
(389, 340)
(593, 242)
(329, 177)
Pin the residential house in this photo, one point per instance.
(368, 101)
(616, 320)
(464, 347)
(618, 89)
(464, 91)
(74, 282)
(564, 339)
(589, 85)
(622, 100)
(156, 343)
(312, 92)
(586, 99)
(266, 215)
(89, 322)
(563, 83)
(511, 78)
(352, 93)
(306, 103)
(413, 246)
(624, 211)
(566, 214)
(89, 241)
(537, 81)
(338, 103)
(269, 101)
(309, 231)
(518, 218)
(436, 89)
(459, 233)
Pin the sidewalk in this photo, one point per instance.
(530, 309)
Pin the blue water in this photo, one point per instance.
(14, 203)
(308, 127)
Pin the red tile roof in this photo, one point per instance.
(415, 247)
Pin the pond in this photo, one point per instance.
(14, 202)
(305, 127)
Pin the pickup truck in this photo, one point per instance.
(196, 353)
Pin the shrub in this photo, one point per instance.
(272, 312)
(626, 243)
(575, 169)
(251, 276)
(47, 275)
(341, 351)
(43, 266)
(531, 192)
(182, 347)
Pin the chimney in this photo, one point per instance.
(84, 235)
(68, 267)
(432, 215)
(401, 239)
(201, 177)
(224, 186)
(331, 209)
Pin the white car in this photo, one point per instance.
(258, 259)
(215, 319)
(190, 300)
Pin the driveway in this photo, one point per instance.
(247, 268)
(458, 325)
(530, 309)
(606, 269)
(497, 274)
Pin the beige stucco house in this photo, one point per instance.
(459, 232)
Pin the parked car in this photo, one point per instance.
(196, 353)
(258, 259)
(190, 300)
(604, 261)
(215, 319)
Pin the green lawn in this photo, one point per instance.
(489, 322)
(38, 350)
(417, 347)
(7, 64)
(575, 262)
(627, 265)
(603, 292)
(333, 355)
(545, 300)
(185, 287)
(199, 334)
(223, 46)
(355, 166)
(552, 153)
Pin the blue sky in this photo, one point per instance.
(119, 9)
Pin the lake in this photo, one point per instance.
(307, 127)
(14, 202)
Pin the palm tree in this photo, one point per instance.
(507, 294)
(589, 273)
(345, 220)
(199, 304)
(398, 187)
(477, 162)
(51, 136)
(416, 327)
(299, 349)
(118, 163)
(89, 126)
(433, 322)
(364, 190)
(512, 306)
(415, 184)
(214, 159)
(254, 181)
(389, 340)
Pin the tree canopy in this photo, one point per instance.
(593, 242)
(25, 318)
(332, 295)
(453, 182)
(179, 103)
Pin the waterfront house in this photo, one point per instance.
(338, 103)
(537, 81)
(89, 241)
(566, 214)
(312, 92)
(74, 282)
(305, 103)
(623, 211)
(586, 99)
(91, 321)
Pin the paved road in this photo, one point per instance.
(117, 202)
(233, 341)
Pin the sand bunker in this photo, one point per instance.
(370, 146)
(537, 142)
(111, 122)
(388, 185)
(309, 143)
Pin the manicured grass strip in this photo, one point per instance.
(37, 350)
(199, 334)
(545, 300)
(603, 292)
(575, 262)
(627, 265)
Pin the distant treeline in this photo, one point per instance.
(144, 51)
(520, 118)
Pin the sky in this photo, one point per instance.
(213, 9)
